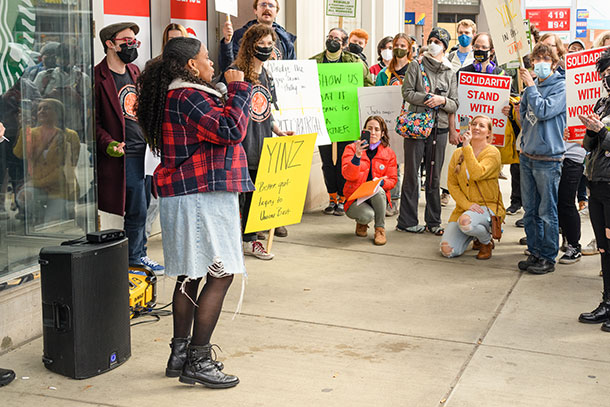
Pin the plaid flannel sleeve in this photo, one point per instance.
(224, 125)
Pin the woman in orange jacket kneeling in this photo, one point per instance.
(363, 161)
(473, 183)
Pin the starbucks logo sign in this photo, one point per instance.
(17, 27)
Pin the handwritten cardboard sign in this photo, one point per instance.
(281, 182)
(339, 85)
(383, 101)
(506, 28)
(485, 94)
(298, 94)
(583, 88)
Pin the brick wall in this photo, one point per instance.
(421, 6)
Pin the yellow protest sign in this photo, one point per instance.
(506, 28)
(281, 182)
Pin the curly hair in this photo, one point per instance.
(561, 49)
(154, 82)
(385, 138)
(245, 56)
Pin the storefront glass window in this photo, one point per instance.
(47, 186)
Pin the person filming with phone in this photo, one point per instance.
(370, 159)
(473, 183)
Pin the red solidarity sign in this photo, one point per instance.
(189, 10)
(549, 19)
(583, 88)
(136, 8)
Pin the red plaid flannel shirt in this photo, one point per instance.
(201, 149)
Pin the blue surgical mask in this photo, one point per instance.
(464, 40)
(543, 70)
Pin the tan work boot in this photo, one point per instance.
(380, 239)
(485, 251)
(361, 230)
(476, 245)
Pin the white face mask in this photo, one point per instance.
(386, 54)
(434, 49)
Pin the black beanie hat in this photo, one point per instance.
(441, 34)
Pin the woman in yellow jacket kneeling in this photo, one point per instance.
(473, 183)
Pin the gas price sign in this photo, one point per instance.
(549, 19)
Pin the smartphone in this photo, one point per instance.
(464, 124)
(366, 135)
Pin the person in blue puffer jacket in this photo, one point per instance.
(543, 118)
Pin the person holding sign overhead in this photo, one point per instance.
(333, 178)
(366, 160)
(265, 12)
(543, 118)
(256, 48)
(203, 168)
(597, 142)
(473, 183)
(430, 84)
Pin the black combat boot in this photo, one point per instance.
(599, 314)
(177, 357)
(201, 368)
(6, 376)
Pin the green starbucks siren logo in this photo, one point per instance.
(16, 40)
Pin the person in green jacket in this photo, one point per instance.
(335, 53)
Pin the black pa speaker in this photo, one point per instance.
(85, 307)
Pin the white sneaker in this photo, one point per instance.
(257, 250)
(590, 249)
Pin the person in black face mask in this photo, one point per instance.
(120, 141)
(357, 42)
(333, 178)
(483, 53)
(257, 47)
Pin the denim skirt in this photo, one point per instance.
(202, 234)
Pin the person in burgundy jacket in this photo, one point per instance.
(120, 143)
(362, 162)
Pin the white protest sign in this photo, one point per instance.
(506, 28)
(383, 101)
(226, 6)
(583, 88)
(341, 8)
(485, 94)
(298, 97)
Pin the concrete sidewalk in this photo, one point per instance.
(335, 321)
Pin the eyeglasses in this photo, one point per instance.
(267, 5)
(333, 38)
(131, 42)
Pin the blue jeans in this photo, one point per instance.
(135, 207)
(458, 237)
(539, 191)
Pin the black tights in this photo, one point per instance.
(205, 315)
